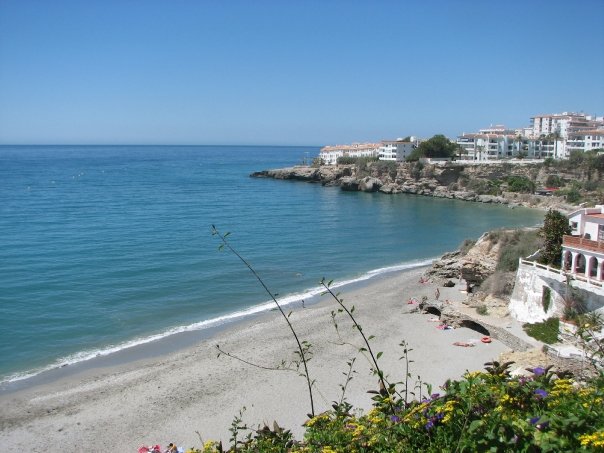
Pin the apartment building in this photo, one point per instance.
(586, 140)
(396, 150)
(492, 143)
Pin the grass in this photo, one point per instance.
(546, 331)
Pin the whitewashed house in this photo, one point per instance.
(583, 250)
(543, 291)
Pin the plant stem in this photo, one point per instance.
(358, 327)
(291, 327)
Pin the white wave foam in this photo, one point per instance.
(220, 320)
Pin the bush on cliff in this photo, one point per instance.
(520, 184)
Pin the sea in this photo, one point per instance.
(105, 248)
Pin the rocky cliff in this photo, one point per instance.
(462, 182)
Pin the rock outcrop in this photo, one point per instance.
(480, 261)
(454, 181)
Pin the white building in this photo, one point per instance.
(560, 124)
(397, 150)
(583, 251)
(585, 140)
(330, 154)
(559, 134)
(492, 143)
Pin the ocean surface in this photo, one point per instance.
(106, 247)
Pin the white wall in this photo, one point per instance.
(526, 301)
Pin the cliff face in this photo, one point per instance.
(474, 265)
(469, 182)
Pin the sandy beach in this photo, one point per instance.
(168, 398)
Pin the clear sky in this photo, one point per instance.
(290, 72)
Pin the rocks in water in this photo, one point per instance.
(350, 184)
(370, 184)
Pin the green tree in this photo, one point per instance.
(555, 226)
(437, 146)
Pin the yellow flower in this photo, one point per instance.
(449, 406)
(209, 446)
(317, 419)
(595, 440)
(328, 450)
(561, 387)
(358, 431)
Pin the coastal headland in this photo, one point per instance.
(477, 183)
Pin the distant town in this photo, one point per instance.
(553, 136)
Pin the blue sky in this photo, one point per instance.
(290, 72)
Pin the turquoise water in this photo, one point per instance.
(104, 247)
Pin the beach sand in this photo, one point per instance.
(168, 398)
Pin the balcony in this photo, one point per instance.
(582, 243)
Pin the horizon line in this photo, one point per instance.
(156, 144)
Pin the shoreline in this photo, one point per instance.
(176, 339)
(169, 397)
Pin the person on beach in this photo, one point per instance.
(437, 293)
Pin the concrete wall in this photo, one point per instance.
(526, 303)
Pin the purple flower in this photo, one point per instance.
(542, 426)
(435, 396)
(540, 393)
(429, 425)
(538, 371)
(395, 418)
(534, 420)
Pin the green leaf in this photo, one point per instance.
(379, 354)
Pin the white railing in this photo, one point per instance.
(563, 273)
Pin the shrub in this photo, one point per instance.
(546, 331)
(518, 244)
(573, 196)
(554, 181)
(359, 161)
(591, 185)
(482, 310)
(520, 184)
